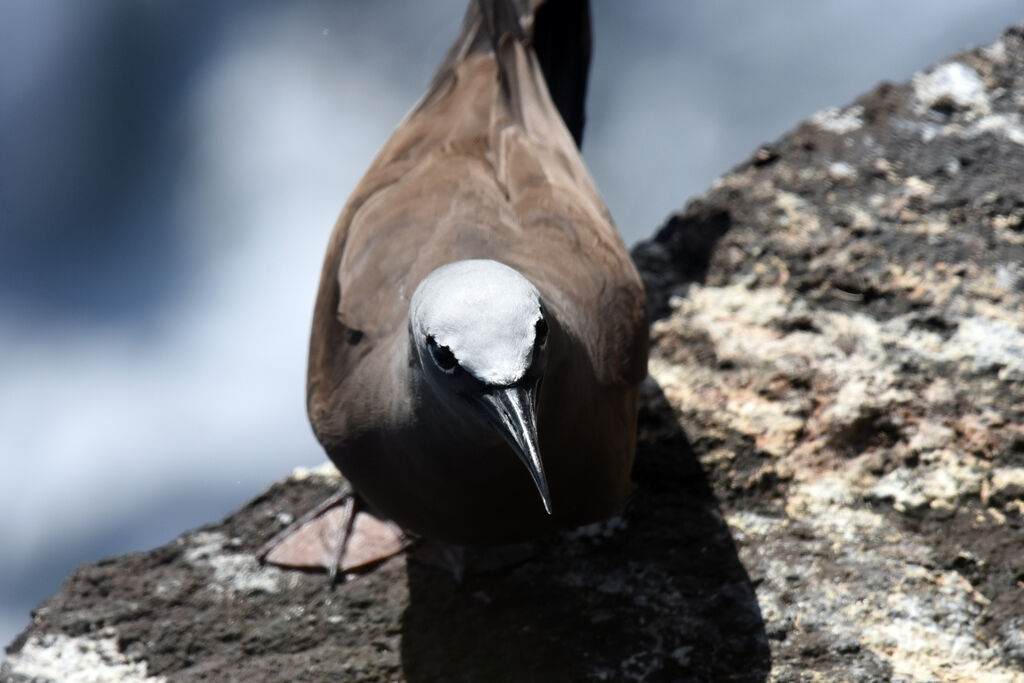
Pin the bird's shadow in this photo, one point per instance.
(657, 593)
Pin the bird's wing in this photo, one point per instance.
(431, 177)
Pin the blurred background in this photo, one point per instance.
(170, 171)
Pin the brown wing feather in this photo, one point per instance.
(554, 198)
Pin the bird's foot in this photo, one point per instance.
(340, 534)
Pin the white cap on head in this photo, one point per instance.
(484, 312)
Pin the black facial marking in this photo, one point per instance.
(442, 355)
(541, 333)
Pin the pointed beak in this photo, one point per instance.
(512, 411)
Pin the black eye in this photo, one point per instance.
(542, 333)
(442, 355)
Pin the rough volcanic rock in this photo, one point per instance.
(847, 356)
(831, 465)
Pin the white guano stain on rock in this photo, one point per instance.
(937, 485)
(840, 170)
(325, 470)
(996, 52)
(988, 344)
(1013, 633)
(234, 573)
(960, 89)
(951, 85)
(839, 121)
(930, 436)
(1008, 125)
(57, 657)
(1007, 485)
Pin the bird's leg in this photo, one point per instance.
(341, 533)
(348, 520)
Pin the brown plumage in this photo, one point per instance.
(482, 168)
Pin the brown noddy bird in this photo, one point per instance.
(480, 330)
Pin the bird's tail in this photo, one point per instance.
(558, 32)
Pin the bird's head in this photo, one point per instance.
(479, 333)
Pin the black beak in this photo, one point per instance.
(512, 411)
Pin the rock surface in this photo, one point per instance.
(831, 465)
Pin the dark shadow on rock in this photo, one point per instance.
(680, 253)
(656, 594)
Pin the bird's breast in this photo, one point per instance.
(466, 485)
